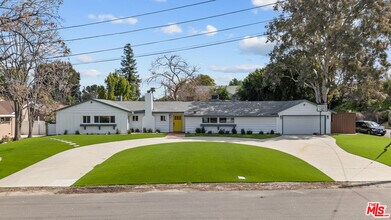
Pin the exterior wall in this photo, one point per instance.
(7, 128)
(191, 123)
(255, 124)
(70, 118)
(304, 109)
(136, 124)
(163, 126)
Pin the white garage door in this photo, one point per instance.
(302, 124)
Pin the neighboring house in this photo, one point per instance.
(204, 93)
(104, 116)
(7, 119)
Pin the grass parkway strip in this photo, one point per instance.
(195, 162)
(18, 155)
(367, 146)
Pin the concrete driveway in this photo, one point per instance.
(67, 167)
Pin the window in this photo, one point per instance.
(162, 118)
(135, 118)
(86, 119)
(104, 119)
(209, 120)
(227, 120)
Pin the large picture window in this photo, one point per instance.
(104, 119)
(217, 120)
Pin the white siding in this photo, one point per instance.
(191, 123)
(136, 124)
(163, 126)
(256, 124)
(304, 109)
(70, 118)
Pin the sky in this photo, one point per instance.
(222, 62)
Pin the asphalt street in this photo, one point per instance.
(284, 204)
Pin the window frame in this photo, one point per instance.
(135, 117)
(85, 121)
(110, 119)
(163, 118)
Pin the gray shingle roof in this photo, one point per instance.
(216, 108)
(251, 109)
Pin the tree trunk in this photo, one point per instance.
(31, 122)
(18, 108)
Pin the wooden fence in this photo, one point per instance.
(343, 123)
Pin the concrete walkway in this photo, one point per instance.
(67, 167)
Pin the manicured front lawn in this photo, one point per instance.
(18, 155)
(367, 146)
(84, 140)
(255, 136)
(200, 162)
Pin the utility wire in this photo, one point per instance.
(163, 41)
(135, 16)
(167, 25)
(176, 50)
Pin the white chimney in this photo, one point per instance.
(148, 119)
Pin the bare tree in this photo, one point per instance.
(172, 72)
(28, 36)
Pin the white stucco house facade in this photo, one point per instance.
(103, 116)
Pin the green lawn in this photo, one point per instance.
(200, 162)
(367, 146)
(255, 136)
(21, 154)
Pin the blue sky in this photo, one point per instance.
(223, 62)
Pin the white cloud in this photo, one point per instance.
(91, 72)
(171, 29)
(112, 18)
(244, 68)
(255, 45)
(264, 2)
(84, 58)
(209, 28)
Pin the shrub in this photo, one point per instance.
(157, 131)
(249, 132)
(65, 132)
(221, 131)
(203, 131)
(144, 130)
(272, 132)
(198, 130)
(209, 132)
(77, 132)
(6, 139)
(109, 133)
(137, 130)
(242, 131)
(261, 132)
(149, 131)
(129, 131)
(234, 131)
(227, 132)
(117, 131)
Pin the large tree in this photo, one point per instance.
(94, 92)
(331, 43)
(117, 86)
(129, 71)
(28, 36)
(172, 73)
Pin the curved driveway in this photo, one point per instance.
(67, 167)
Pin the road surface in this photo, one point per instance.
(284, 204)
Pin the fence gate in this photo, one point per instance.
(343, 123)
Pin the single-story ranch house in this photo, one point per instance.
(104, 116)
